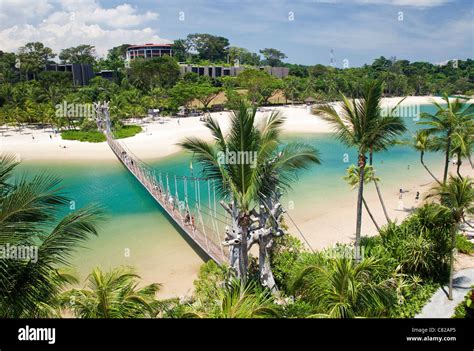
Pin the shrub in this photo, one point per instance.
(466, 308)
(463, 245)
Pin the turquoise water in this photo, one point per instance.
(137, 233)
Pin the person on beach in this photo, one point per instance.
(193, 223)
(400, 195)
(50, 137)
(417, 197)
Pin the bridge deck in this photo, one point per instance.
(212, 249)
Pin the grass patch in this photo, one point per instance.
(127, 131)
(94, 136)
(85, 136)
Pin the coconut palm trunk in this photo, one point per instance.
(446, 159)
(451, 263)
(422, 154)
(244, 255)
(370, 214)
(459, 165)
(379, 193)
(360, 196)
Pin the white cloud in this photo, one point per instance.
(65, 23)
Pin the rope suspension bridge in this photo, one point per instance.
(183, 198)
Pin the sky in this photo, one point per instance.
(358, 31)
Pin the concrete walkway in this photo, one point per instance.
(439, 306)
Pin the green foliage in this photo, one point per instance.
(236, 300)
(127, 131)
(113, 294)
(421, 243)
(463, 245)
(466, 308)
(160, 72)
(30, 218)
(285, 252)
(78, 54)
(93, 136)
(414, 300)
(342, 288)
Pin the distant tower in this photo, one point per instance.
(332, 62)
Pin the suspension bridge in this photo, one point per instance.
(181, 197)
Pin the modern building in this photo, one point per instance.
(82, 73)
(231, 71)
(148, 51)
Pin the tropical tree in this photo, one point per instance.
(359, 124)
(257, 180)
(113, 294)
(424, 142)
(352, 178)
(457, 195)
(446, 121)
(28, 210)
(343, 288)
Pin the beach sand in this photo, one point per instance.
(159, 139)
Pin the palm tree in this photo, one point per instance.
(352, 178)
(242, 183)
(359, 124)
(446, 121)
(385, 129)
(424, 142)
(457, 195)
(237, 300)
(462, 145)
(28, 211)
(113, 294)
(342, 288)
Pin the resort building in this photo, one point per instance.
(82, 73)
(148, 51)
(230, 71)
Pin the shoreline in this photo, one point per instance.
(159, 139)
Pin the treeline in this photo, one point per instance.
(28, 94)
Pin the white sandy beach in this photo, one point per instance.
(158, 139)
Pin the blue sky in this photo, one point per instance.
(306, 30)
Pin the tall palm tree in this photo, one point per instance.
(342, 288)
(113, 294)
(242, 183)
(359, 124)
(385, 131)
(352, 178)
(446, 121)
(457, 195)
(28, 211)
